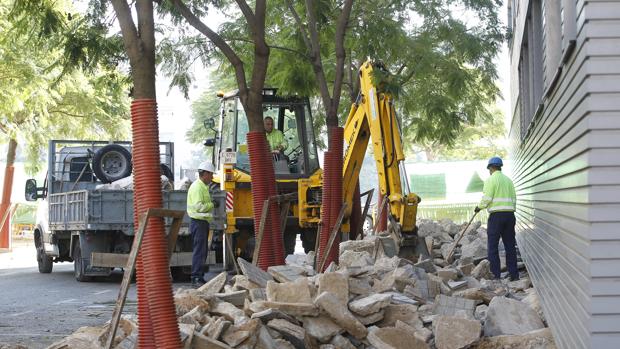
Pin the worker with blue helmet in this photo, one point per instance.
(500, 199)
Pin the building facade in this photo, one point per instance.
(565, 146)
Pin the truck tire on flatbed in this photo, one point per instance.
(78, 265)
(111, 163)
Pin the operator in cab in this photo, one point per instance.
(200, 210)
(275, 137)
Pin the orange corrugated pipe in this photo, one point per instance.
(155, 302)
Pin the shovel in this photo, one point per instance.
(449, 258)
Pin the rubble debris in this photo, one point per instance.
(370, 300)
(509, 316)
(455, 333)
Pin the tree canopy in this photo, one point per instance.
(44, 96)
(440, 54)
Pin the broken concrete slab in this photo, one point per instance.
(341, 342)
(228, 311)
(286, 273)
(216, 328)
(538, 339)
(202, 342)
(297, 291)
(335, 283)
(507, 316)
(424, 289)
(370, 319)
(455, 333)
(482, 270)
(366, 245)
(371, 304)
(322, 328)
(293, 309)
(395, 338)
(360, 286)
(427, 265)
(457, 285)
(406, 313)
(481, 312)
(447, 274)
(236, 298)
(292, 333)
(258, 294)
(254, 273)
(337, 311)
(477, 294)
(446, 305)
(475, 249)
(270, 314)
(241, 282)
(351, 259)
(214, 285)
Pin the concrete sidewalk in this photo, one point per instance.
(22, 255)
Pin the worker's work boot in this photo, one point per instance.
(197, 282)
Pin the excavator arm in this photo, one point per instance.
(372, 118)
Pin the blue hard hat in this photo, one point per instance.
(495, 161)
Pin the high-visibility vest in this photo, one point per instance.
(199, 204)
(498, 194)
(275, 138)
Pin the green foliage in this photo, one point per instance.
(43, 95)
(480, 140)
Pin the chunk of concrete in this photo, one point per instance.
(291, 332)
(270, 314)
(538, 339)
(228, 311)
(351, 259)
(360, 286)
(341, 342)
(446, 305)
(371, 304)
(370, 319)
(427, 265)
(482, 270)
(455, 333)
(481, 312)
(338, 311)
(475, 249)
(236, 297)
(335, 283)
(366, 245)
(395, 338)
(507, 316)
(216, 328)
(297, 291)
(447, 274)
(322, 328)
(477, 294)
(235, 335)
(214, 285)
(406, 313)
(294, 309)
(287, 273)
(254, 273)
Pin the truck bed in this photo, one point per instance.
(84, 210)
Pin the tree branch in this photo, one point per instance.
(304, 35)
(341, 28)
(247, 13)
(317, 64)
(128, 28)
(217, 40)
(268, 45)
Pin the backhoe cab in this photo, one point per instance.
(296, 167)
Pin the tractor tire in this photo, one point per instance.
(111, 163)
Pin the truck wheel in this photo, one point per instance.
(78, 265)
(111, 163)
(308, 240)
(44, 261)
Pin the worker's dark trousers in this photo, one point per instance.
(502, 225)
(200, 232)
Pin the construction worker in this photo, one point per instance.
(199, 209)
(275, 137)
(500, 199)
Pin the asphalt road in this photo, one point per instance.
(40, 309)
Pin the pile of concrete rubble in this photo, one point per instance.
(372, 299)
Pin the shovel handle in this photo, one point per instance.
(460, 237)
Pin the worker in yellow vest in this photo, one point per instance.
(275, 137)
(200, 210)
(500, 199)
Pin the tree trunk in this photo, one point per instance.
(5, 205)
